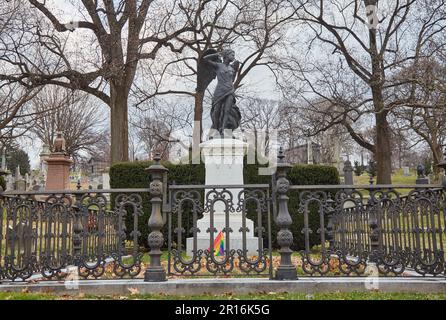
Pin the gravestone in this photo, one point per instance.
(20, 182)
(406, 171)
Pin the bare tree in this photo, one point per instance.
(116, 34)
(427, 118)
(367, 50)
(75, 115)
(159, 128)
(8, 12)
(261, 118)
(16, 116)
(257, 27)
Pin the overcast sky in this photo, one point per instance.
(259, 82)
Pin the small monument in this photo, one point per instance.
(421, 176)
(44, 155)
(348, 173)
(20, 182)
(406, 171)
(58, 166)
(223, 154)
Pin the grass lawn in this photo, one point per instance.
(258, 296)
(397, 178)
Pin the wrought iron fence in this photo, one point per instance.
(359, 230)
(44, 233)
(380, 229)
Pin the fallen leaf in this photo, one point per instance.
(133, 291)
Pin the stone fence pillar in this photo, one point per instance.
(155, 272)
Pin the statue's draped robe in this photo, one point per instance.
(223, 92)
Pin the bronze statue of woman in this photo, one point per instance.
(224, 112)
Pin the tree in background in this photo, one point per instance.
(372, 168)
(358, 168)
(256, 29)
(360, 52)
(261, 117)
(76, 115)
(16, 117)
(18, 157)
(428, 166)
(159, 128)
(427, 117)
(115, 37)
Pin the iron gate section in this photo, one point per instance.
(189, 203)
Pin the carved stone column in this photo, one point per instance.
(155, 272)
(286, 269)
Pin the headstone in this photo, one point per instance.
(10, 185)
(406, 171)
(224, 166)
(421, 178)
(44, 155)
(348, 173)
(20, 183)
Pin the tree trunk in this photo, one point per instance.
(198, 117)
(437, 154)
(119, 149)
(383, 150)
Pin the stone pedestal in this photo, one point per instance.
(223, 160)
(58, 176)
(422, 180)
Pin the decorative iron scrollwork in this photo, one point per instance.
(204, 261)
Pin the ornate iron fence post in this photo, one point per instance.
(375, 232)
(286, 269)
(155, 272)
(331, 224)
(77, 228)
